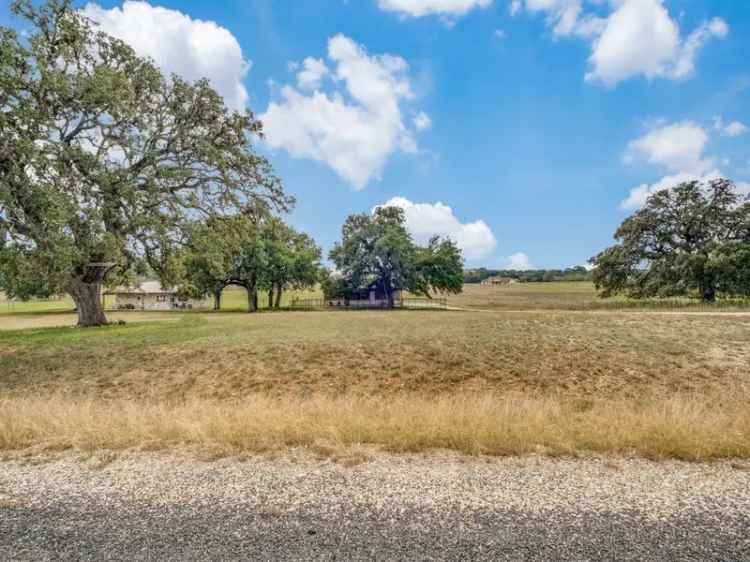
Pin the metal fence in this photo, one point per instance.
(669, 304)
(411, 303)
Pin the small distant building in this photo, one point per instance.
(499, 281)
(372, 297)
(150, 295)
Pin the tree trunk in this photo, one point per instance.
(270, 298)
(252, 298)
(87, 297)
(279, 290)
(389, 296)
(249, 299)
(708, 288)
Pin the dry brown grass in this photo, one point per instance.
(230, 356)
(527, 296)
(578, 296)
(502, 382)
(682, 427)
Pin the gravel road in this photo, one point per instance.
(151, 506)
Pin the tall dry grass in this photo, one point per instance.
(683, 427)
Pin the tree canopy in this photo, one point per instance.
(693, 238)
(377, 248)
(104, 162)
(251, 251)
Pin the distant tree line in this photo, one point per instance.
(578, 273)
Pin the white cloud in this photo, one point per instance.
(419, 8)
(735, 129)
(313, 71)
(515, 7)
(422, 121)
(355, 126)
(425, 220)
(732, 129)
(678, 147)
(684, 64)
(500, 34)
(519, 262)
(191, 48)
(566, 17)
(640, 38)
(637, 37)
(638, 195)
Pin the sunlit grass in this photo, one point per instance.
(497, 382)
(681, 427)
(577, 295)
(231, 355)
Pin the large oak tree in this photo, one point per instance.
(104, 161)
(377, 248)
(693, 238)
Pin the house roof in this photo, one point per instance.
(145, 288)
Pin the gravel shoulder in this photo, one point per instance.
(441, 506)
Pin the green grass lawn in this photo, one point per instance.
(235, 298)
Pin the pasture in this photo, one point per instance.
(574, 296)
(493, 376)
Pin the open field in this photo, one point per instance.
(563, 296)
(571, 296)
(527, 296)
(228, 356)
(660, 385)
(40, 306)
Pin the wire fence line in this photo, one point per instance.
(411, 303)
(668, 304)
(422, 303)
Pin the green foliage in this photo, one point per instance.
(292, 258)
(692, 238)
(439, 267)
(378, 249)
(335, 286)
(254, 251)
(103, 160)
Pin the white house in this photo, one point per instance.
(150, 295)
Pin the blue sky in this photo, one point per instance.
(538, 125)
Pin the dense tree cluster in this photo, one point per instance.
(376, 249)
(691, 239)
(255, 251)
